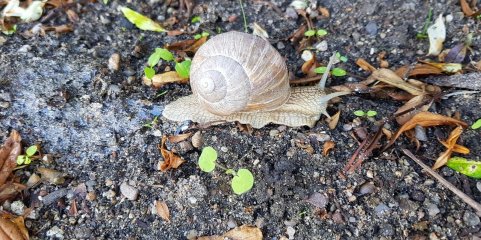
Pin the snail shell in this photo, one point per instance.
(239, 72)
(240, 77)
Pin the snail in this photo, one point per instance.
(240, 77)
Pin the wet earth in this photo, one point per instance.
(58, 91)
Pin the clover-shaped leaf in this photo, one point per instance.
(207, 159)
(242, 181)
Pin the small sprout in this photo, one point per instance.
(197, 36)
(158, 54)
(476, 124)
(106, 2)
(152, 123)
(196, 19)
(321, 32)
(161, 93)
(359, 113)
(424, 33)
(338, 72)
(341, 57)
(207, 159)
(141, 21)
(29, 155)
(371, 113)
(149, 72)
(183, 68)
(242, 181)
(200, 35)
(310, 33)
(320, 70)
(31, 150)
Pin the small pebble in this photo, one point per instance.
(231, 223)
(322, 46)
(114, 62)
(17, 207)
(273, 132)
(433, 209)
(371, 28)
(24, 49)
(55, 232)
(128, 191)
(418, 196)
(347, 127)
(290, 232)
(420, 133)
(470, 218)
(367, 188)
(386, 230)
(381, 209)
(280, 45)
(197, 140)
(224, 149)
(291, 13)
(91, 196)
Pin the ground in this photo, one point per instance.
(59, 92)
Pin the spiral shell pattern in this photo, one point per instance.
(238, 72)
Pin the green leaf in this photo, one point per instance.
(343, 59)
(243, 181)
(359, 113)
(159, 53)
(20, 159)
(338, 72)
(31, 150)
(467, 167)
(149, 72)
(321, 32)
(371, 113)
(196, 19)
(106, 1)
(310, 33)
(10, 31)
(197, 36)
(183, 68)
(27, 161)
(230, 171)
(207, 159)
(205, 34)
(476, 124)
(320, 70)
(141, 21)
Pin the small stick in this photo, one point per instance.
(445, 183)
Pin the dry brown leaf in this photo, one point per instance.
(387, 133)
(243, 232)
(391, 78)
(12, 228)
(466, 8)
(366, 66)
(324, 12)
(58, 29)
(450, 144)
(478, 65)
(426, 119)
(332, 122)
(175, 32)
(328, 146)
(10, 190)
(72, 16)
(412, 104)
(418, 70)
(159, 80)
(73, 208)
(179, 137)
(162, 210)
(51, 175)
(8, 155)
(189, 45)
(171, 160)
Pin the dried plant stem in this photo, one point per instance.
(243, 16)
(445, 183)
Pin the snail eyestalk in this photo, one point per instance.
(322, 83)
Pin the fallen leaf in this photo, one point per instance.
(391, 78)
(328, 146)
(437, 35)
(467, 167)
(73, 208)
(141, 21)
(10, 190)
(171, 160)
(51, 175)
(447, 67)
(332, 122)
(189, 45)
(456, 54)
(450, 144)
(179, 137)
(467, 80)
(243, 232)
(466, 8)
(426, 119)
(159, 80)
(387, 133)
(362, 63)
(413, 103)
(72, 16)
(259, 31)
(58, 29)
(418, 70)
(8, 155)
(12, 228)
(162, 210)
(32, 13)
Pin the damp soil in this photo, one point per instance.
(57, 91)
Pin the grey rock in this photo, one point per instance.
(55, 232)
(433, 209)
(129, 192)
(381, 209)
(386, 230)
(371, 28)
(470, 218)
(418, 196)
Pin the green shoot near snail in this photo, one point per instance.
(242, 180)
(182, 68)
(29, 155)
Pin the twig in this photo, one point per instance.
(445, 183)
(243, 16)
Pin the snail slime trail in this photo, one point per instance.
(231, 82)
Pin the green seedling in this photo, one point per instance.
(29, 156)
(341, 57)
(152, 123)
(467, 167)
(106, 2)
(200, 35)
(361, 113)
(242, 180)
(243, 16)
(476, 124)
(140, 21)
(424, 33)
(196, 19)
(182, 68)
(312, 32)
(337, 72)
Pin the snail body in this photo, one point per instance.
(240, 77)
